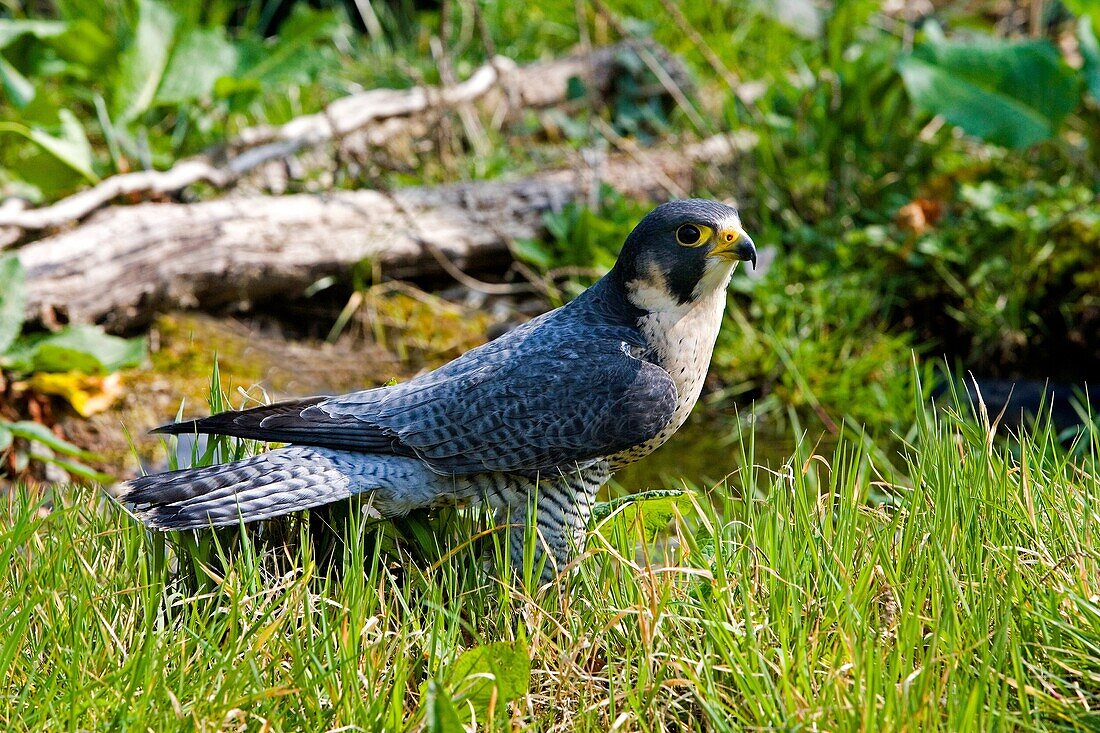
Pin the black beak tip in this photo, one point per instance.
(746, 251)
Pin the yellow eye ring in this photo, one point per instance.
(692, 235)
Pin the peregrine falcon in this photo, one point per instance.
(534, 421)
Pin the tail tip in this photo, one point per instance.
(119, 491)
(174, 428)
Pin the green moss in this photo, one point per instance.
(419, 328)
(188, 345)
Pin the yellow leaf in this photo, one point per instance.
(88, 394)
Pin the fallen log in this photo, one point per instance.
(126, 262)
(354, 123)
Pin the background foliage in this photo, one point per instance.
(923, 181)
(936, 174)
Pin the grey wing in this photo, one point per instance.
(525, 410)
(556, 407)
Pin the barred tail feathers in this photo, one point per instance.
(276, 483)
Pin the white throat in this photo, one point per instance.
(681, 336)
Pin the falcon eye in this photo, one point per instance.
(688, 235)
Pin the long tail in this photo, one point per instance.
(272, 484)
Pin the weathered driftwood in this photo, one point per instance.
(125, 262)
(358, 121)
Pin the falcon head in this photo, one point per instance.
(681, 252)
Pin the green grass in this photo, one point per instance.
(965, 600)
(958, 591)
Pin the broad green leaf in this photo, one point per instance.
(17, 87)
(10, 29)
(227, 86)
(76, 469)
(1008, 93)
(533, 252)
(649, 511)
(12, 299)
(504, 666)
(200, 58)
(39, 176)
(78, 347)
(602, 510)
(19, 356)
(5, 436)
(440, 715)
(86, 45)
(141, 65)
(1090, 52)
(71, 148)
(294, 56)
(39, 433)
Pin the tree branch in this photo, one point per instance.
(126, 262)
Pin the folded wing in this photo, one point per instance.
(524, 404)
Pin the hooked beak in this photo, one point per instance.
(734, 244)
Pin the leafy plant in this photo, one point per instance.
(74, 348)
(823, 160)
(644, 515)
(1011, 93)
(1008, 274)
(886, 219)
(72, 363)
(140, 89)
(482, 681)
(58, 452)
(582, 238)
(18, 88)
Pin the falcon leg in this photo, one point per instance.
(562, 507)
